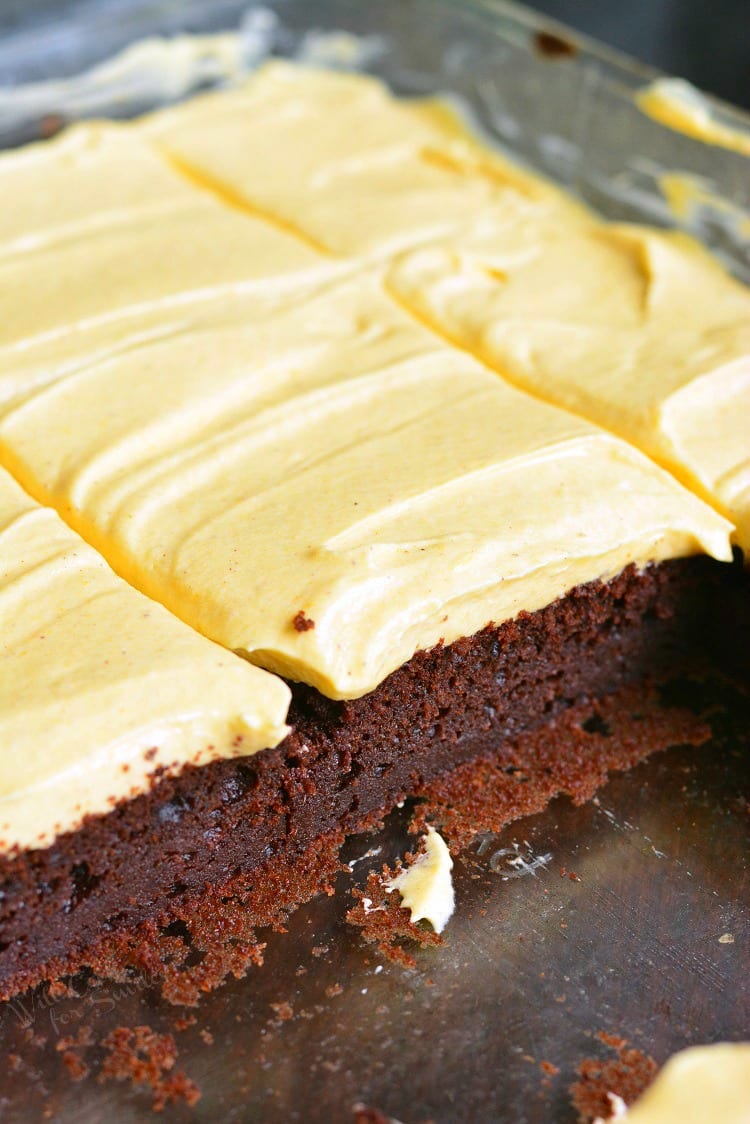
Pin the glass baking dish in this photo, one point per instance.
(562, 105)
(492, 1026)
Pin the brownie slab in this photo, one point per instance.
(343, 762)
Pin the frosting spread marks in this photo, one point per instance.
(638, 331)
(382, 173)
(102, 241)
(318, 451)
(227, 358)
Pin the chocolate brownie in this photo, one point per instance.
(342, 763)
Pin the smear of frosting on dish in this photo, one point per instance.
(426, 887)
(678, 105)
(148, 71)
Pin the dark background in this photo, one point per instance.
(705, 41)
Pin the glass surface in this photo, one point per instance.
(534, 966)
(532, 969)
(697, 39)
(568, 113)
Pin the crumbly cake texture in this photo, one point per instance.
(625, 1073)
(220, 922)
(343, 763)
(142, 1057)
(573, 754)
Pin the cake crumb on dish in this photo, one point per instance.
(625, 1076)
(143, 1057)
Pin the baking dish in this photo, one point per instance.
(563, 105)
(471, 1047)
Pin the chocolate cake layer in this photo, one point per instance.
(345, 760)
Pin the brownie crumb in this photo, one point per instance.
(613, 1040)
(626, 1075)
(302, 623)
(49, 126)
(61, 989)
(75, 1065)
(365, 1114)
(143, 1057)
(549, 1072)
(84, 1037)
(73, 1047)
(283, 1011)
(384, 922)
(552, 46)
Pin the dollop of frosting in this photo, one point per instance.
(426, 887)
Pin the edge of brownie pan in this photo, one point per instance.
(345, 762)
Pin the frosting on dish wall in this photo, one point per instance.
(678, 105)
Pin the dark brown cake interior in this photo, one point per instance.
(345, 761)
